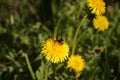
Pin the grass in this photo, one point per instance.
(25, 25)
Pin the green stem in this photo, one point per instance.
(76, 34)
(56, 27)
(46, 70)
(29, 66)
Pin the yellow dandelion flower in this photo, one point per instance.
(55, 51)
(96, 6)
(76, 62)
(101, 23)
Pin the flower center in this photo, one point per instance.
(98, 3)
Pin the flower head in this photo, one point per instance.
(96, 6)
(55, 51)
(76, 62)
(101, 23)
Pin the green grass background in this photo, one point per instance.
(26, 24)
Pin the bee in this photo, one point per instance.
(59, 39)
(100, 50)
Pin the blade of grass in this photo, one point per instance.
(29, 66)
